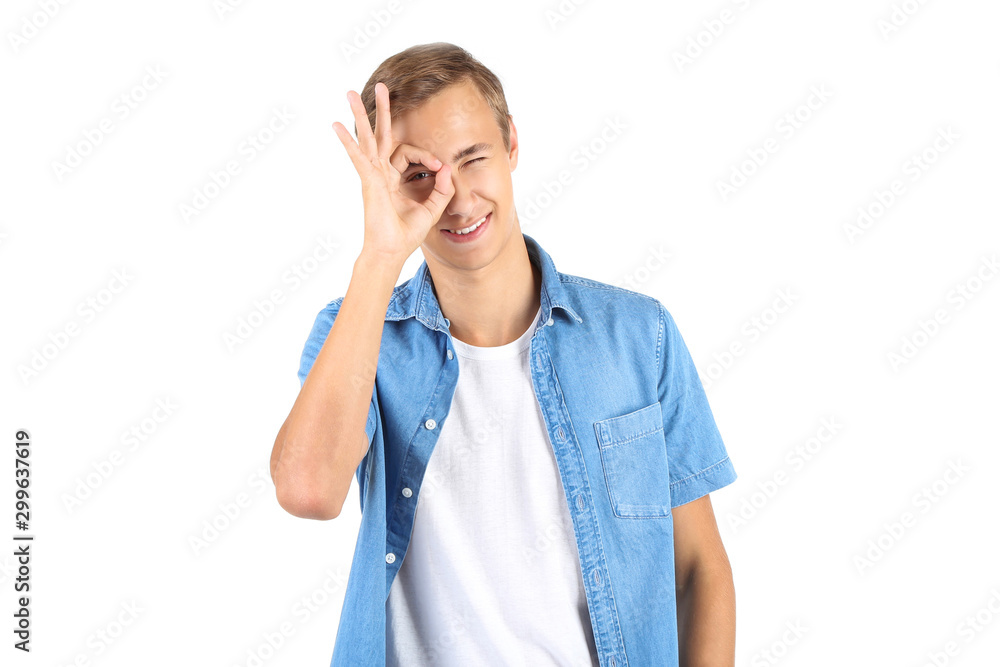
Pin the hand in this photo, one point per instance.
(395, 224)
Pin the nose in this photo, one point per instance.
(463, 202)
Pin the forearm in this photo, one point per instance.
(706, 618)
(323, 440)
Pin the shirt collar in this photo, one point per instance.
(415, 298)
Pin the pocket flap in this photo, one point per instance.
(628, 427)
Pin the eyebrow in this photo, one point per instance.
(470, 150)
(474, 148)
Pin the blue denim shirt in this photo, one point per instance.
(627, 418)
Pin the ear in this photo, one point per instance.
(513, 143)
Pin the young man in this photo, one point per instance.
(534, 450)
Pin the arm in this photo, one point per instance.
(706, 597)
(322, 441)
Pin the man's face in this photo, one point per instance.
(449, 125)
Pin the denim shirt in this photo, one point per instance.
(627, 418)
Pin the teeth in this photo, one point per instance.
(469, 229)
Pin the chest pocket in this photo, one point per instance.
(634, 457)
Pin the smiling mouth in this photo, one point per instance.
(471, 228)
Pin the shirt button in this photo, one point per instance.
(561, 433)
(450, 355)
(430, 424)
(580, 502)
(549, 323)
(597, 576)
(407, 492)
(390, 558)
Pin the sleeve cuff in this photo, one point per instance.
(701, 483)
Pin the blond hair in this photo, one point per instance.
(420, 72)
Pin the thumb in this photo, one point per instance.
(444, 190)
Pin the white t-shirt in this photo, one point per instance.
(492, 574)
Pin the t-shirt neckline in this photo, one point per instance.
(511, 349)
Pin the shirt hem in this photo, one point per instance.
(712, 478)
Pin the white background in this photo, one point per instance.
(651, 191)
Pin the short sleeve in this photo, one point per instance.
(697, 457)
(314, 343)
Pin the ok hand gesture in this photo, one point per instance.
(395, 224)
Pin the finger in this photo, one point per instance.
(366, 140)
(383, 121)
(444, 190)
(361, 163)
(406, 154)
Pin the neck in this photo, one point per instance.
(495, 304)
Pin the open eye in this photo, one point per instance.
(427, 174)
(413, 178)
